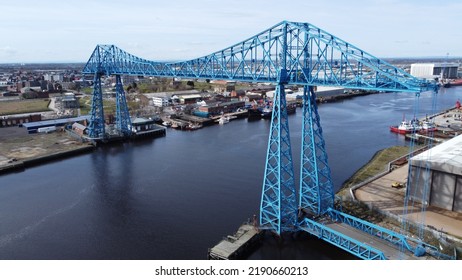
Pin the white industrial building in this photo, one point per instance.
(436, 176)
(321, 91)
(160, 101)
(434, 70)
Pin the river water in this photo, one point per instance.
(176, 196)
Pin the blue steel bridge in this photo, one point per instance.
(289, 53)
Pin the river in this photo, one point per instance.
(176, 196)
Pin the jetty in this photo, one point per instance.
(236, 246)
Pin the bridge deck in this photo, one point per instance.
(390, 251)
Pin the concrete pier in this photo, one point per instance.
(235, 246)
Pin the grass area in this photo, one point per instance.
(202, 86)
(377, 164)
(85, 105)
(23, 106)
(109, 106)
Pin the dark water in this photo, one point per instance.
(175, 197)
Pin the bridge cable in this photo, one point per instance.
(425, 198)
(410, 180)
(420, 176)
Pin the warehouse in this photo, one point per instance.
(436, 176)
(33, 127)
(434, 70)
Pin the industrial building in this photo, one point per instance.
(33, 127)
(434, 70)
(436, 176)
(15, 120)
(160, 101)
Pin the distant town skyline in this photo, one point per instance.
(57, 31)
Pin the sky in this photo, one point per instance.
(68, 31)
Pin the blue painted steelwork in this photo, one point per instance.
(123, 121)
(278, 209)
(310, 55)
(96, 129)
(316, 187)
(395, 238)
(340, 240)
(401, 241)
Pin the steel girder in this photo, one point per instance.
(316, 187)
(278, 209)
(110, 60)
(395, 238)
(340, 240)
(401, 241)
(96, 127)
(310, 55)
(123, 121)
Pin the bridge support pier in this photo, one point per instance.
(96, 129)
(123, 121)
(278, 209)
(316, 187)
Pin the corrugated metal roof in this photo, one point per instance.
(141, 121)
(31, 125)
(446, 157)
(189, 96)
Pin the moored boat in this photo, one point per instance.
(406, 127)
(223, 119)
(266, 113)
(291, 108)
(427, 126)
(413, 126)
(194, 126)
(253, 114)
(456, 82)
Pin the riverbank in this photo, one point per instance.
(322, 97)
(19, 150)
(378, 164)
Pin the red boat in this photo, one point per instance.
(456, 82)
(413, 126)
(405, 127)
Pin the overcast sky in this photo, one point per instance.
(68, 31)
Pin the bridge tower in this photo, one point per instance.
(123, 122)
(96, 129)
(278, 209)
(316, 187)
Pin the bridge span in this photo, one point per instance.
(288, 53)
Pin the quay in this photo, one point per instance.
(236, 246)
(152, 131)
(438, 215)
(36, 149)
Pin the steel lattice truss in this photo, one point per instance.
(310, 55)
(278, 210)
(123, 121)
(355, 247)
(316, 187)
(96, 126)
